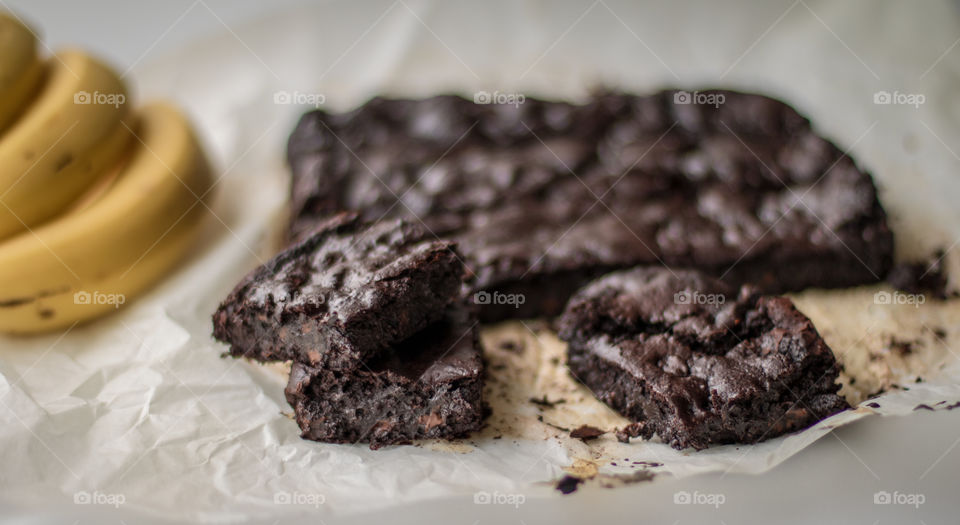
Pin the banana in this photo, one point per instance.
(95, 259)
(70, 134)
(20, 68)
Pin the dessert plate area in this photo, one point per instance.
(140, 408)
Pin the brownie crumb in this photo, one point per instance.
(951, 407)
(586, 433)
(630, 431)
(903, 348)
(923, 407)
(568, 484)
(512, 346)
(546, 403)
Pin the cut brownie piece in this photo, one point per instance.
(695, 362)
(428, 386)
(543, 192)
(341, 295)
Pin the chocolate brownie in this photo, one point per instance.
(697, 362)
(428, 386)
(345, 292)
(543, 196)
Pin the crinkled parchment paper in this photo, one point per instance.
(140, 404)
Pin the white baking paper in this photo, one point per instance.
(139, 410)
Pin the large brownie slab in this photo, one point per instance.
(428, 386)
(697, 362)
(542, 196)
(341, 295)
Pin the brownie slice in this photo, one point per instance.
(428, 386)
(543, 196)
(344, 293)
(695, 361)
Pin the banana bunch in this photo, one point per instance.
(97, 200)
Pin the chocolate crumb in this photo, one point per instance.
(546, 403)
(902, 347)
(922, 407)
(512, 346)
(568, 484)
(630, 431)
(586, 433)
(873, 405)
(955, 405)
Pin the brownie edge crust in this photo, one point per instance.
(696, 362)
